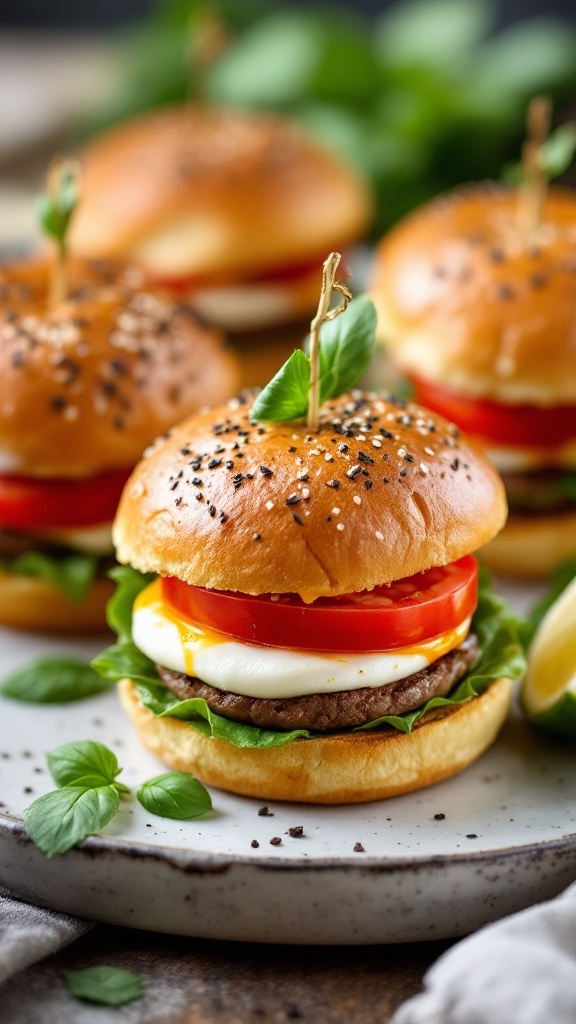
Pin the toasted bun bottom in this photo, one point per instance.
(532, 546)
(345, 768)
(30, 603)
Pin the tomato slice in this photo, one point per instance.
(29, 502)
(285, 274)
(524, 426)
(403, 614)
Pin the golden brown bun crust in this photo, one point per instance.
(185, 512)
(532, 546)
(30, 603)
(345, 768)
(85, 387)
(464, 302)
(193, 190)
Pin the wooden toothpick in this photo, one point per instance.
(55, 211)
(324, 313)
(535, 182)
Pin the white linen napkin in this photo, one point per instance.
(28, 934)
(520, 969)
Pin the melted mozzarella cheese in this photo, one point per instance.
(253, 671)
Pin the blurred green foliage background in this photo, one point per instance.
(421, 98)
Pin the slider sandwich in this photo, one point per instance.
(476, 297)
(91, 370)
(231, 210)
(298, 609)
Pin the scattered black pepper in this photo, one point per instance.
(294, 499)
(254, 844)
(265, 812)
(471, 835)
(297, 832)
(276, 841)
(439, 817)
(358, 848)
(213, 463)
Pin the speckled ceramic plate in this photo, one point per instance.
(437, 863)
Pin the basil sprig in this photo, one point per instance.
(54, 681)
(109, 986)
(175, 795)
(87, 798)
(55, 207)
(554, 157)
(346, 347)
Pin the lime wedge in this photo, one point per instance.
(549, 689)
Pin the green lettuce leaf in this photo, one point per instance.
(502, 637)
(196, 713)
(72, 574)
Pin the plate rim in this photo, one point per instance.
(210, 862)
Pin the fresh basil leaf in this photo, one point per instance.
(54, 212)
(175, 795)
(346, 345)
(294, 56)
(54, 681)
(129, 583)
(557, 152)
(435, 33)
(59, 820)
(561, 577)
(199, 716)
(110, 986)
(72, 574)
(125, 661)
(83, 763)
(286, 396)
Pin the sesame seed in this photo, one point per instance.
(297, 519)
(360, 437)
(328, 457)
(269, 505)
(305, 492)
(423, 468)
(401, 452)
(429, 451)
(376, 443)
(332, 483)
(335, 511)
(340, 526)
(256, 536)
(357, 499)
(266, 471)
(353, 471)
(293, 499)
(379, 536)
(313, 451)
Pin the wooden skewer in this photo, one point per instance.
(324, 313)
(61, 173)
(535, 182)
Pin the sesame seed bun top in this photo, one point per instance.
(84, 387)
(196, 191)
(464, 300)
(382, 491)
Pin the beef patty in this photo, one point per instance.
(322, 712)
